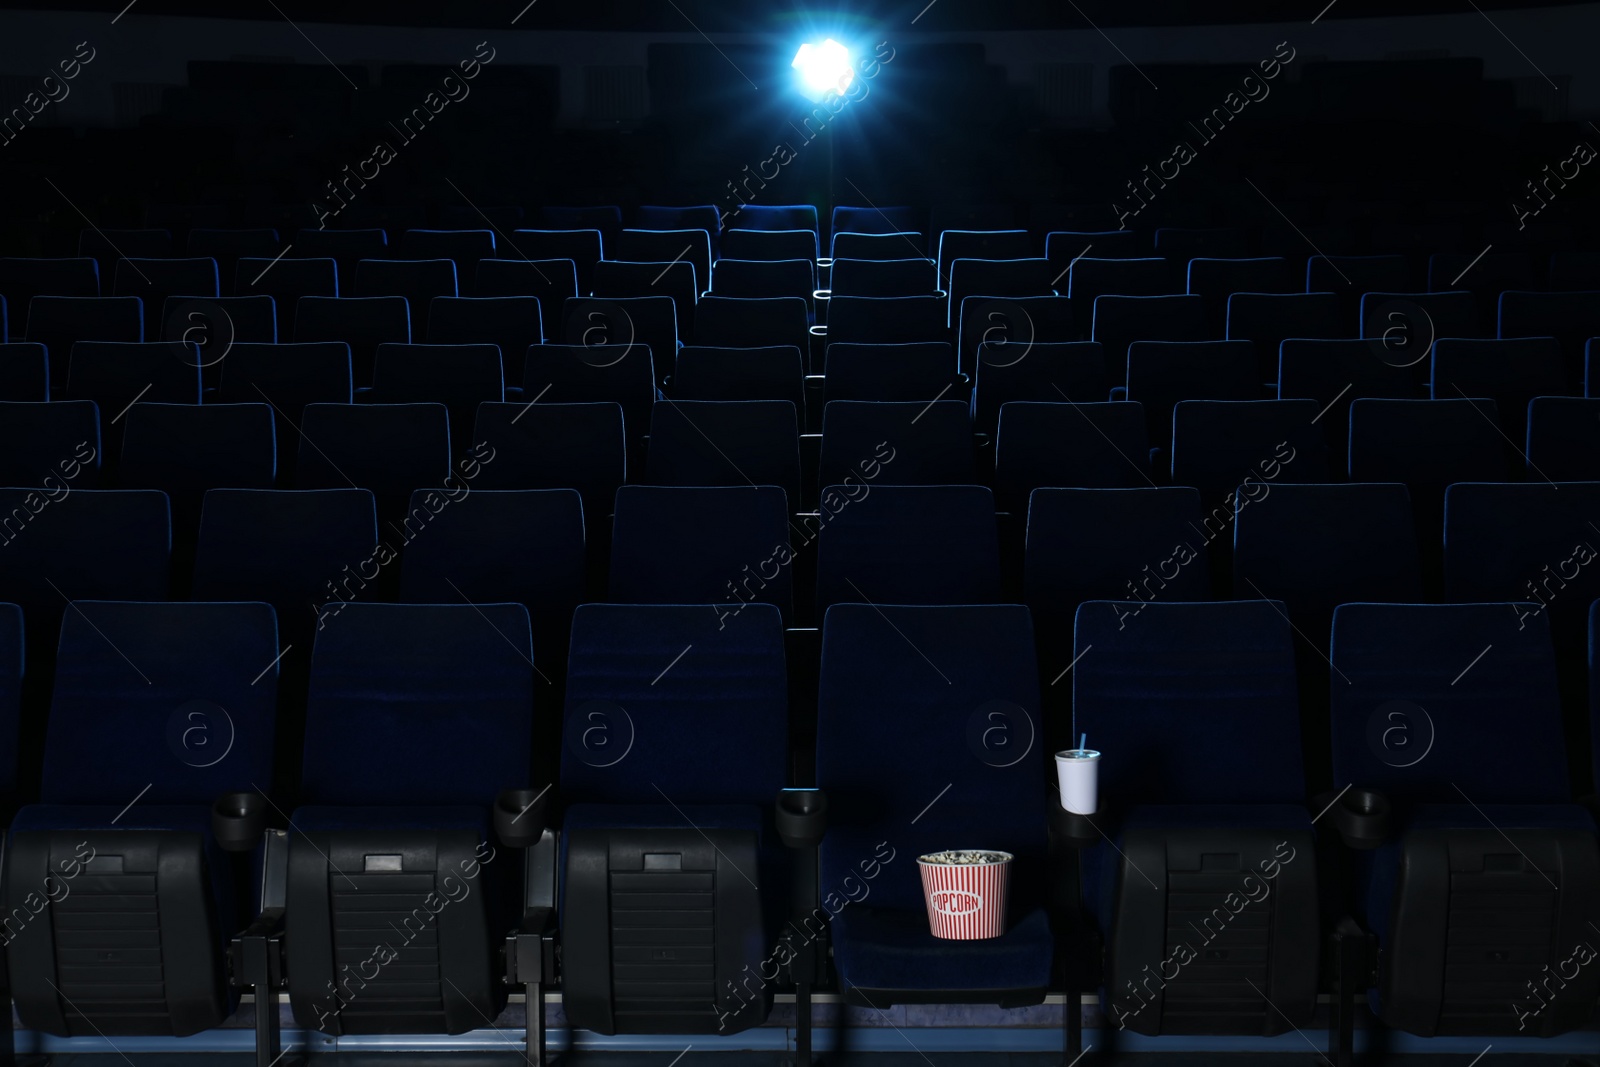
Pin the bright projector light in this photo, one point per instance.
(825, 66)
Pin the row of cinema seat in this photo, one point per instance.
(415, 874)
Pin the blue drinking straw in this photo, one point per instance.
(1083, 742)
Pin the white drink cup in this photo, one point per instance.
(1078, 775)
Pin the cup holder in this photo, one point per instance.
(802, 817)
(1072, 829)
(238, 819)
(1362, 817)
(520, 816)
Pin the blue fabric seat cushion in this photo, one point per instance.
(892, 949)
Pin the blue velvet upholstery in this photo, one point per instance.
(1023, 321)
(59, 441)
(362, 322)
(1126, 544)
(921, 371)
(188, 448)
(524, 545)
(1013, 362)
(1564, 438)
(907, 277)
(768, 217)
(681, 702)
(511, 323)
(896, 443)
(555, 446)
(1509, 372)
(995, 245)
(1222, 447)
(1181, 693)
(1410, 655)
(771, 373)
(91, 543)
(1315, 547)
(908, 544)
(1077, 446)
(125, 673)
(1526, 542)
(114, 375)
(1161, 373)
(614, 367)
(436, 699)
(1026, 275)
(723, 546)
(928, 738)
(1121, 320)
(649, 244)
(726, 442)
(886, 320)
(391, 449)
(552, 282)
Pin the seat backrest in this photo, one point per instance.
(734, 322)
(726, 442)
(583, 247)
(649, 322)
(771, 218)
(883, 277)
(286, 279)
(510, 322)
(1403, 725)
(886, 320)
(1268, 319)
(952, 695)
(1314, 547)
(23, 278)
(115, 375)
(602, 218)
(688, 245)
(290, 548)
(1221, 278)
(1075, 446)
(216, 325)
(1571, 318)
(189, 448)
(1336, 372)
(1489, 275)
(769, 373)
(875, 220)
(464, 247)
(1161, 373)
(1022, 320)
(1121, 320)
(1062, 247)
(891, 443)
(110, 543)
(1427, 444)
(575, 374)
(24, 372)
(697, 217)
(390, 449)
(1564, 438)
(1408, 323)
(524, 546)
(1509, 372)
(982, 244)
(59, 322)
(288, 377)
(1525, 541)
(1237, 446)
(1182, 693)
(50, 443)
(677, 280)
(1358, 274)
(551, 281)
(556, 446)
(923, 371)
(347, 246)
(701, 546)
(907, 544)
(1045, 372)
(174, 703)
(1091, 277)
(996, 277)
(675, 701)
(1181, 245)
(455, 375)
(878, 245)
(153, 280)
(448, 688)
(754, 244)
(1113, 544)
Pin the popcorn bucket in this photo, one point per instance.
(965, 891)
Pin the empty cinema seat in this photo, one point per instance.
(726, 442)
(1563, 442)
(1471, 835)
(59, 322)
(363, 323)
(556, 446)
(391, 449)
(1080, 446)
(450, 689)
(1232, 449)
(1170, 699)
(50, 444)
(891, 443)
(676, 720)
(159, 711)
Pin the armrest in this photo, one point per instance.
(802, 817)
(1070, 828)
(1362, 816)
(530, 948)
(238, 819)
(521, 816)
(255, 954)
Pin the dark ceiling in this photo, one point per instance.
(760, 16)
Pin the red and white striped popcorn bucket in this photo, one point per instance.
(966, 891)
